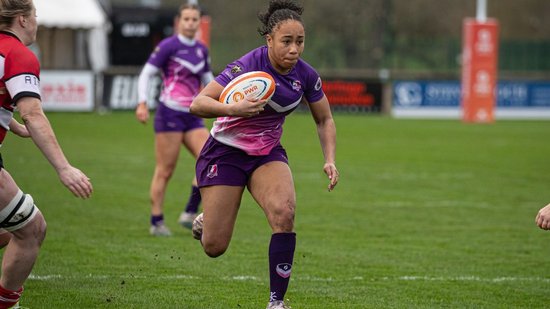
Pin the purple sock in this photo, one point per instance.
(281, 254)
(194, 200)
(157, 220)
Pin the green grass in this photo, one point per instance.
(428, 214)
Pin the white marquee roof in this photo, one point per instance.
(70, 13)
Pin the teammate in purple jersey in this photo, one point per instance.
(184, 65)
(244, 148)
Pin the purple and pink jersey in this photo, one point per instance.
(182, 64)
(259, 134)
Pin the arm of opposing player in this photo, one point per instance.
(206, 104)
(43, 136)
(326, 129)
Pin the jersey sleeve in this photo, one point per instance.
(231, 71)
(22, 74)
(161, 54)
(244, 64)
(313, 91)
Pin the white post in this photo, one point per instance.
(481, 13)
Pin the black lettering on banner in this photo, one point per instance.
(122, 91)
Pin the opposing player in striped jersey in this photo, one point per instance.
(185, 65)
(22, 225)
(244, 149)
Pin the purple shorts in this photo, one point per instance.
(169, 120)
(219, 164)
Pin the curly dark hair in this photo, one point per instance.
(279, 11)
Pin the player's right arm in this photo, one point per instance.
(43, 136)
(147, 73)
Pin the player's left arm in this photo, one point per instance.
(326, 129)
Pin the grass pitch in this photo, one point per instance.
(428, 214)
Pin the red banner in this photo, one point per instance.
(353, 92)
(479, 70)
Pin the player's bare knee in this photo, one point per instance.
(213, 249)
(214, 252)
(282, 216)
(31, 235)
(40, 228)
(164, 173)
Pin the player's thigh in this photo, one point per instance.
(8, 188)
(194, 140)
(167, 147)
(220, 207)
(272, 187)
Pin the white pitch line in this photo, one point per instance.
(298, 278)
(471, 278)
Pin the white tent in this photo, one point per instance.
(70, 13)
(72, 31)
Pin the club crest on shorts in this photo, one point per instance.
(284, 269)
(212, 171)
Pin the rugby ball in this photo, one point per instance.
(252, 85)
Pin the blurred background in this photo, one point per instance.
(375, 42)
